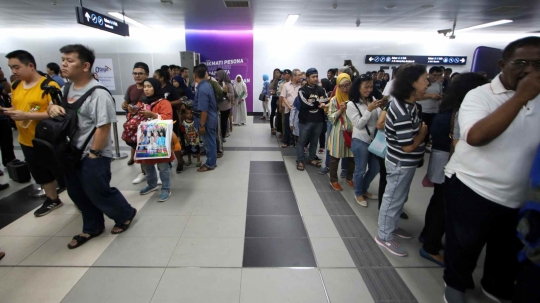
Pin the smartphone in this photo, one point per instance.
(136, 107)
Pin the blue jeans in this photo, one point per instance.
(397, 190)
(309, 133)
(287, 129)
(164, 174)
(362, 159)
(89, 188)
(209, 140)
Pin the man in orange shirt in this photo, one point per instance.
(29, 107)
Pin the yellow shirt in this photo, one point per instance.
(25, 99)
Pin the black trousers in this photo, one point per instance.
(6, 142)
(527, 290)
(279, 123)
(472, 222)
(273, 109)
(224, 120)
(382, 180)
(428, 119)
(434, 223)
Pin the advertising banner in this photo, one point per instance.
(104, 69)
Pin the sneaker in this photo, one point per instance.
(392, 246)
(140, 179)
(321, 150)
(452, 295)
(147, 190)
(362, 202)
(3, 186)
(492, 297)
(350, 183)
(324, 171)
(159, 180)
(336, 186)
(179, 168)
(48, 206)
(400, 232)
(343, 174)
(165, 194)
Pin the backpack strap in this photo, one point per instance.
(15, 84)
(360, 113)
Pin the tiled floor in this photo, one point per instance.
(254, 230)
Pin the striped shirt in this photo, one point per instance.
(402, 125)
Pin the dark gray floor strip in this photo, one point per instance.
(275, 233)
(232, 148)
(258, 120)
(17, 205)
(382, 280)
(289, 151)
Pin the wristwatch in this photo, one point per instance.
(96, 153)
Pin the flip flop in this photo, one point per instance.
(205, 168)
(82, 240)
(316, 164)
(124, 226)
(300, 166)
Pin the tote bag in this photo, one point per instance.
(378, 145)
(154, 139)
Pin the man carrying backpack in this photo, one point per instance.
(88, 181)
(29, 106)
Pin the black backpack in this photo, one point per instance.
(54, 136)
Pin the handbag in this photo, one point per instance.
(262, 97)
(378, 145)
(347, 135)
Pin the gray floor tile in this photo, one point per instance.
(273, 183)
(157, 226)
(4, 271)
(278, 252)
(18, 248)
(208, 252)
(115, 285)
(227, 203)
(272, 204)
(346, 286)
(320, 227)
(196, 285)
(385, 284)
(331, 252)
(267, 167)
(275, 227)
(282, 285)
(215, 227)
(139, 252)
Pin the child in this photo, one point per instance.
(191, 135)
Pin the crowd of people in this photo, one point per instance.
(483, 138)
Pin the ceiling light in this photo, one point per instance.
(121, 17)
(291, 20)
(390, 6)
(483, 25)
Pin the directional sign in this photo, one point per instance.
(430, 60)
(96, 20)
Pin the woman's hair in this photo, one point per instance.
(409, 73)
(458, 89)
(354, 93)
(163, 74)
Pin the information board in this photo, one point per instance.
(403, 59)
(96, 20)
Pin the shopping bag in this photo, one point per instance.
(154, 140)
(378, 145)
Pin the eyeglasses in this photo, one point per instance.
(345, 86)
(138, 74)
(522, 64)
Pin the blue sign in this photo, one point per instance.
(100, 20)
(96, 20)
(428, 60)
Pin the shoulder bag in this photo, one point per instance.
(347, 135)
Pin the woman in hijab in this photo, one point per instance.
(241, 93)
(266, 93)
(226, 104)
(155, 106)
(274, 97)
(336, 143)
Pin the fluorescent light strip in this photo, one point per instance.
(121, 17)
(291, 20)
(483, 25)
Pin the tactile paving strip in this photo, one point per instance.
(382, 280)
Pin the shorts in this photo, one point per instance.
(41, 173)
(192, 150)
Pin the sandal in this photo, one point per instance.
(81, 240)
(284, 145)
(300, 166)
(125, 226)
(315, 163)
(205, 168)
(219, 155)
(131, 162)
(188, 163)
(273, 131)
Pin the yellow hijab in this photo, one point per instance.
(342, 97)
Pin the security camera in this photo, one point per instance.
(444, 31)
(357, 23)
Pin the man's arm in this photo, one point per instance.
(101, 137)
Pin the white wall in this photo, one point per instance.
(304, 48)
(153, 48)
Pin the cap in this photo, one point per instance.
(287, 72)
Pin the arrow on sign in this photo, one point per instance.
(370, 59)
(462, 60)
(87, 16)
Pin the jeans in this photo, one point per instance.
(334, 163)
(363, 158)
(89, 188)
(164, 174)
(265, 108)
(434, 223)
(209, 140)
(287, 129)
(397, 190)
(309, 133)
(273, 108)
(473, 222)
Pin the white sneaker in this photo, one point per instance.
(159, 180)
(140, 178)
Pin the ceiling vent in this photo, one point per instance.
(504, 9)
(236, 4)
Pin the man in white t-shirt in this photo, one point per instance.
(487, 176)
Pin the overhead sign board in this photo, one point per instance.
(402, 59)
(96, 20)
